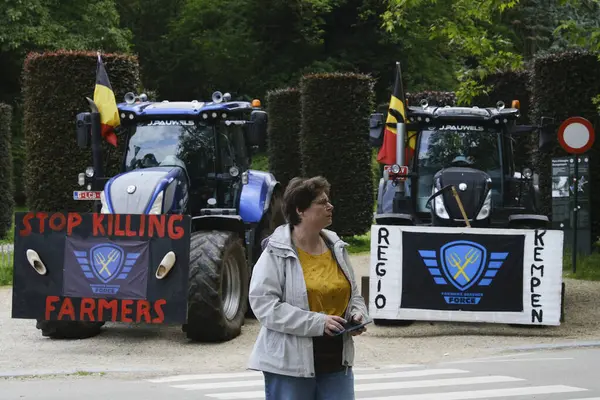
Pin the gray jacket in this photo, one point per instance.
(279, 301)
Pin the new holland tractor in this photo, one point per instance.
(187, 158)
(469, 149)
(461, 174)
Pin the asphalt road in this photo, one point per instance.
(542, 374)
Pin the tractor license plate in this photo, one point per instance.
(86, 195)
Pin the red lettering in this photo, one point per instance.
(118, 230)
(74, 221)
(126, 310)
(112, 305)
(142, 224)
(110, 224)
(159, 311)
(67, 309)
(50, 300)
(156, 222)
(97, 227)
(62, 222)
(26, 231)
(175, 232)
(143, 308)
(128, 230)
(42, 217)
(87, 308)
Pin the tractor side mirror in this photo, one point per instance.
(83, 126)
(257, 129)
(376, 128)
(547, 135)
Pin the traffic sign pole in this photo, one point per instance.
(576, 135)
(575, 213)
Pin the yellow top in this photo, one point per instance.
(327, 286)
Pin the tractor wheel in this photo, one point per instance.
(271, 220)
(69, 329)
(218, 287)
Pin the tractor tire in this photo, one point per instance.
(271, 220)
(69, 329)
(218, 287)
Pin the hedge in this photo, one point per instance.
(563, 86)
(7, 203)
(334, 144)
(508, 86)
(283, 107)
(55, 85)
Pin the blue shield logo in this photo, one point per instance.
(106, 261)
(463, 263)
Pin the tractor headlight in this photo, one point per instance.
(234, 171)
(157, 205)
(81, 179)
(104, 209)
(438, 206)
(487, 206)
(89, 172)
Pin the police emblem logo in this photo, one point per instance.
(463, 264)
(106, 262)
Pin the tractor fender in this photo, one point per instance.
(528, 220)
(256, 195)
(229, 223)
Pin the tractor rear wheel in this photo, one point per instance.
(271, 220)
(69, 329)
(218, 287)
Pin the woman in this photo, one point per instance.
(302, 291)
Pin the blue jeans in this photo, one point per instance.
(333, 386)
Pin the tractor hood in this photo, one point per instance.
(473, 187)
(143, 191)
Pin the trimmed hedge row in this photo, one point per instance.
(508, 86)
(283, 134)
(334, 144)
(7, 203)
(55, 85)
(563, 87)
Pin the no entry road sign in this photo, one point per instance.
(576, 135)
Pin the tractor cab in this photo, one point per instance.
(451, 152)
(182, 157)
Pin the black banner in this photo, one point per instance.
(101, 267)
(451, 272)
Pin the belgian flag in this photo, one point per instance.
(104, 98)
(396, 110)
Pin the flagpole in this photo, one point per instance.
(400, 130)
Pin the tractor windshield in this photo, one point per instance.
(170, 143)
(449, 146)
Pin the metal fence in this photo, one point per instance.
(6, 264)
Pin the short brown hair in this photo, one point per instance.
(300, 193)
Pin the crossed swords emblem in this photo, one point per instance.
(455, 261)
(105, 261)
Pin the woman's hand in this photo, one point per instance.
(333, 324)
(358, 318)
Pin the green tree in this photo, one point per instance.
(468, 30)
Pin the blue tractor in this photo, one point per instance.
(191, 158)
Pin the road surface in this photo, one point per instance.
(547, 374)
